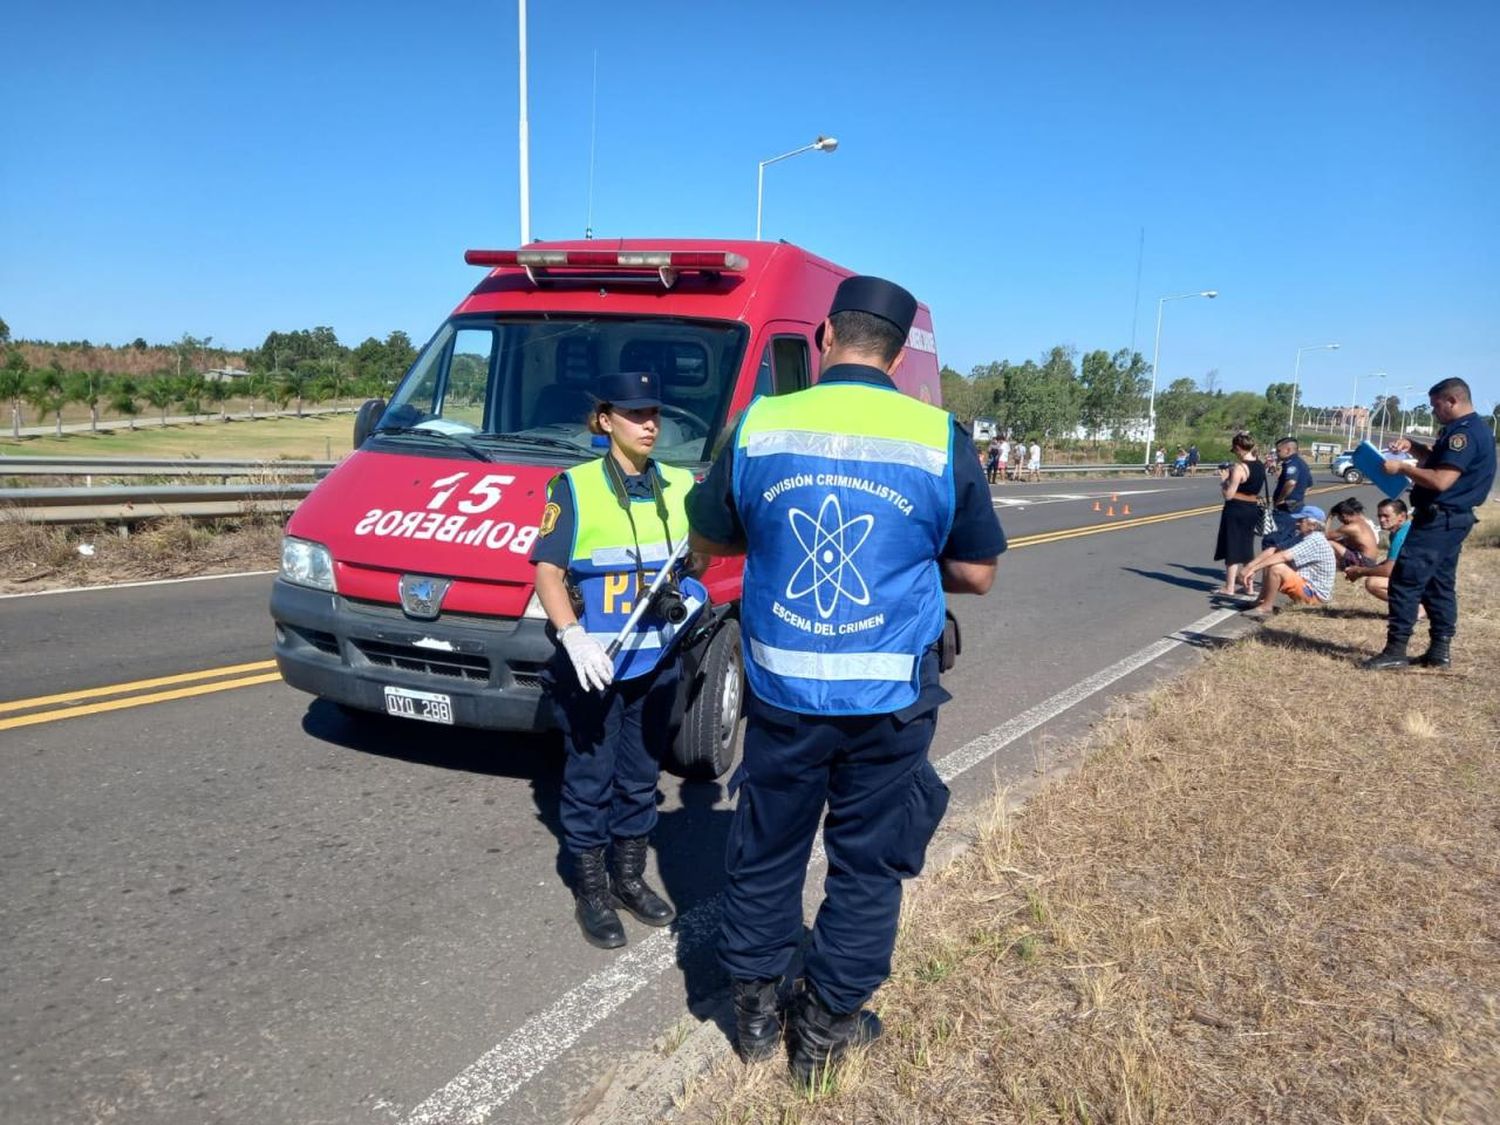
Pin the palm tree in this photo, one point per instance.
(85, 387)
(295, 384)
(190, 394)
(123, 394)
(217, 392)
(14, 377)
(160, 393)
(45, 393)
(254, 386)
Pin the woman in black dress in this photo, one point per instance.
(1241, 484)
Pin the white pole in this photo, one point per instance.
(760, 194)
(525, 133)
(1291, 415)
(1353, 406)
(1155, 359)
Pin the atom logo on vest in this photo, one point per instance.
(828, 572)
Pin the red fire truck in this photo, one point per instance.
(405, 587)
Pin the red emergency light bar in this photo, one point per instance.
(706, 260)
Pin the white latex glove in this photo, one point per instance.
(594, 668)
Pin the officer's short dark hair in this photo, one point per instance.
(1288, 440)
(1454, 386)
(1394, 503)
(865, 332)
(1346, 510)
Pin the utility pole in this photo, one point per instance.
(525, 133)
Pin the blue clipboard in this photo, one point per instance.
(1368, 460)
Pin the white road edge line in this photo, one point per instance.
(135, 585)
(488, 1083)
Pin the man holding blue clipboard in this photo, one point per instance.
(1449, 479)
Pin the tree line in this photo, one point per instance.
(303, 366)
(1105, 397)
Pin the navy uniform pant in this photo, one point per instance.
(1426, 574)
(884, 802)
(615, 744)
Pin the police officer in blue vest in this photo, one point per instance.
(609, 525)
(1291, 490)
(856, 507)
(1450, 478)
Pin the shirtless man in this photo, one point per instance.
(1355, 541)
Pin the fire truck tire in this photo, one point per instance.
(707, 740)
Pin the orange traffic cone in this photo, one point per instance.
(1096, 507)
(1113, 496)
(1125, 511)
(1111, 510)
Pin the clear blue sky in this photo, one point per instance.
(227, 169)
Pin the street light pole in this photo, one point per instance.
(1291, 414)
(1386, 415)
(524, 130)
(1369, 417)
(822, 144)
(1161, 304)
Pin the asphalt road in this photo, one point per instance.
(240, 906)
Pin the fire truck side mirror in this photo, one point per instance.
(368, 417)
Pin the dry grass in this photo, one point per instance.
(1264, 897)
(38, 557)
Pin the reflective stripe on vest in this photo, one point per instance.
(846, 494)
(603, 563)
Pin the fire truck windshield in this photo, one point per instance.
(525, 382)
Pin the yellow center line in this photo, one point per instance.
(135, 685)
(135, 701)
(1137, 521)
(259, 666)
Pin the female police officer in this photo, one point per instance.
(609, 523)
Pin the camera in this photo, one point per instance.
(669, 604)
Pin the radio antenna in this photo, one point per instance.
(588, 226)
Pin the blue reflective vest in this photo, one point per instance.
(846, 494)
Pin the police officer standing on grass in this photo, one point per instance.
(609, 524)
(856, 507)
(1450, 478)
(1291, 488)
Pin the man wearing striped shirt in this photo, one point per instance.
(1304, 571)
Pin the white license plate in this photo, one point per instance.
(428, 706)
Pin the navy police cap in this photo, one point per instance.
(629, 390)
(876, 296)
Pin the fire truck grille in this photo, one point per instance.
(409, 658)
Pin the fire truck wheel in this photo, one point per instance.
(705, 744)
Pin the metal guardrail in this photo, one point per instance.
(1097, 469)
(155, 467)
(131, 503)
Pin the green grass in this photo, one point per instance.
(324, 436)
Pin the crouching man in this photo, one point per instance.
(1377, 576)
(1303, 572)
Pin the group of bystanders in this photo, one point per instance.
(1304, 551)
(1014, 458)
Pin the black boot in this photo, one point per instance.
(628, 885)
(757, 1023)
(1392, 656)
(600, 924)
(819, 1038)
(1437, 654)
